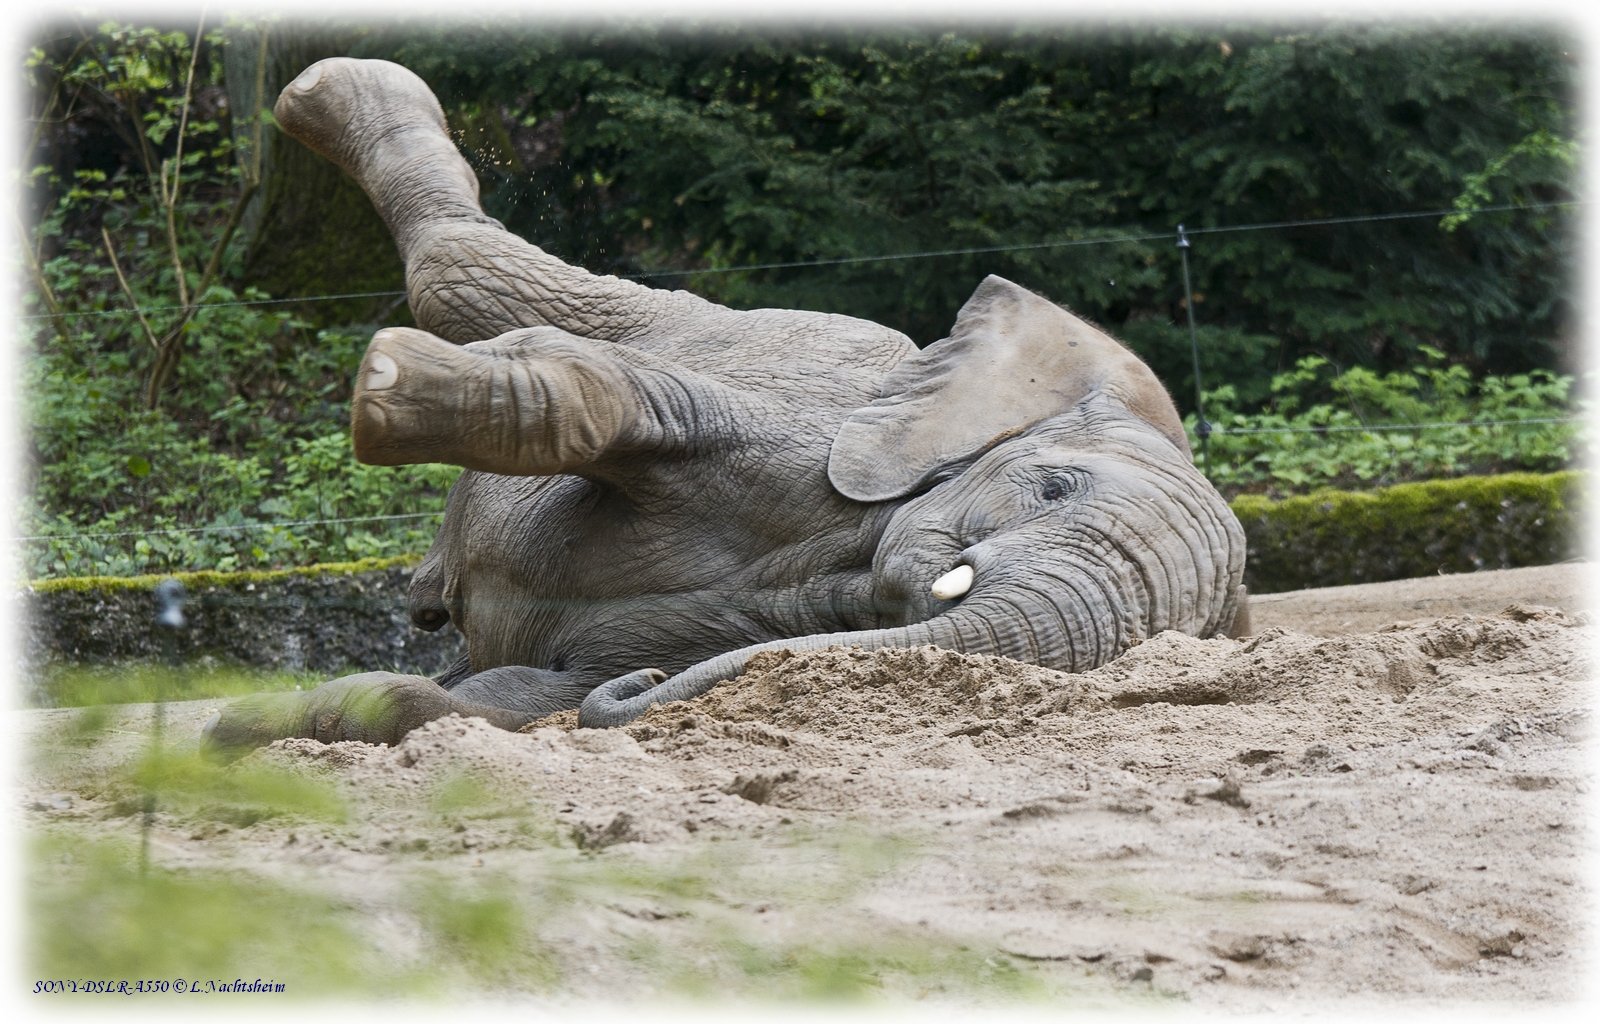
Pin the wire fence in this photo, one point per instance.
(232, 527)
(1202, 428)
(926, 254)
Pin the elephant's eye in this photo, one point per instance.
(1062, 485)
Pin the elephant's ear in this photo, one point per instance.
(1012, 359)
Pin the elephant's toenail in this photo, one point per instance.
(381, 373)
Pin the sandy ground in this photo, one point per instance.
(1330, 611)
(1398, 813)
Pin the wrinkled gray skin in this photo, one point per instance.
(659, 486)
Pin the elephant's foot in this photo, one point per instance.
(531, 403)
(373, 707)
(382, 124)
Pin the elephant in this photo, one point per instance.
(657, 487)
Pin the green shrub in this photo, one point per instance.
(1351, 428)
(1330, 538)
(243, 425)
(254, 434)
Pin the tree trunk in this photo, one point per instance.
(310, 230)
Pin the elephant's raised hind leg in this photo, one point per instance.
(467, 278)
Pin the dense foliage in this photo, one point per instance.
(251, 427)
(637, 150)
(1432, 420)
(682, 156)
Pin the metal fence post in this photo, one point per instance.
(169, 618)
(1201, 427)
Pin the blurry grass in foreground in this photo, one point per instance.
(775, 920)
(77, 686)
(91, 914)
(90, 756)
(719, 944)
(193, 785)
(839, 968)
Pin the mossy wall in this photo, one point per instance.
(193, 581)
(330, 619)
(1332, 538)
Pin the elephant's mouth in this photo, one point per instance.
(915, 588)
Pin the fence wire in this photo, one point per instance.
(1215, 431)
(843, 260)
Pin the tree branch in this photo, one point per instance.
(169, 200)
(167, 359)
(46, 296)
(55, 93)
(188, 99)
(172, 235)
(123, 282)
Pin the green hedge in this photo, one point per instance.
(1331, 538)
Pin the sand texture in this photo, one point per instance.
(1330, 611)
(1398, 814)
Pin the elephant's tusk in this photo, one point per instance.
(381, 373)
(953, 583)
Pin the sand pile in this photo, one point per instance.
(1277, 686)
(884, 693)
(1239, 823)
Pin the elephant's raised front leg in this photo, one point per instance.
(536, 402)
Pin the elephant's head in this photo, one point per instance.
(1050, 508)
(1066, 542)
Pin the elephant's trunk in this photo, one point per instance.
(1077, 628)
(1164, 553)
(622, 700)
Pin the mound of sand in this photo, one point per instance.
(1237, 823)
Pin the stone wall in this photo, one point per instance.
(330, 622)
